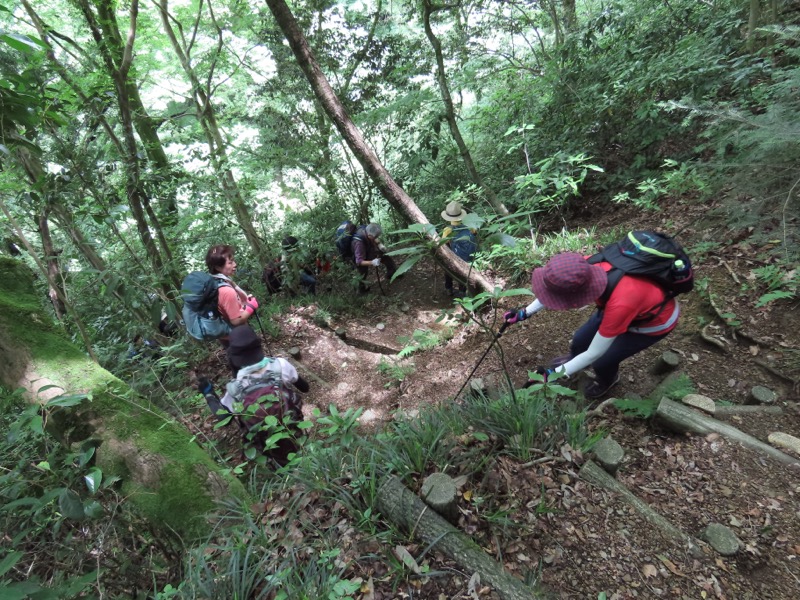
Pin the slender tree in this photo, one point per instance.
(118, 58)
(428, 9)
(202, 97)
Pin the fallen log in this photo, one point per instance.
(406, 510)
(684, 419)
(747, 409)
(595, 475)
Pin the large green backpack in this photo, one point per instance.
(200, 293)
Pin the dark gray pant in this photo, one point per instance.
(624, 346)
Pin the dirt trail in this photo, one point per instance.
(587, 540)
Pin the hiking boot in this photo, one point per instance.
(560, 360)
(597, 389)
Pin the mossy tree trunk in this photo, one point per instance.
(164, 474)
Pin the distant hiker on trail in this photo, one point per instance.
(462, 241)
(368, 252)
(265, 385)
(235, 305)
(293, 268)
(633, 312)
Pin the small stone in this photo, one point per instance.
(722, 539)
(609, 454)
(294, 352)
(785, 441)
(761, 395)
(405, 307)
(704, 403)
(341, 333)
(380, 326)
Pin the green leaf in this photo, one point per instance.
(44, 465)
(65, 401)
(9, 561)
(250, 452)
(70, 505)
(515, 292)
(37, 424)
(93, 479)
(94, 510)
(23, 43)
(20, 590)
(779, 295)
(407, 264)
(501, 239)
(87, 454)
(473, 221)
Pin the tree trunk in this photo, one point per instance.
(752, 24)
(164, 474)
(216, 142)
(597, 476)
(144, 124)
(405, 509)
(450, 113)
(683, 419)
(59, 292)
(395, 195)
(117, 59)
(65, 220)
(53, 267)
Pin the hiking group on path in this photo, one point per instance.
(633, 284)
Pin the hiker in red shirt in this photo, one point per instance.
(235, 305)
(636, 315)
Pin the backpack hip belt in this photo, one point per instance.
(676, 312)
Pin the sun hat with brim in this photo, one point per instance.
(568, 281)
(454, 212)
(244, 347)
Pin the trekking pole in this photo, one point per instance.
(378, 275)
(494, 339)
(263, 333)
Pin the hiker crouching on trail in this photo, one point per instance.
(234, 304)
(368, 252)
(265, 382)
(293, 269)
(636, 315)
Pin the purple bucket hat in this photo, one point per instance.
(568, 281)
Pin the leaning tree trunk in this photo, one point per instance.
(406, 510)
(450, 112)
(76, 319)
(65, 219)
(396, 196)
(169, 479)
(33, 168)
(52, 264)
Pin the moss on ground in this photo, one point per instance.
(182, 498)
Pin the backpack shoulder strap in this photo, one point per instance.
(614, 275)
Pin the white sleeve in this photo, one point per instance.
(596, 349)
(288, 372)
(533, 307)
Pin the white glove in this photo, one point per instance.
(376, 262)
